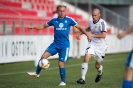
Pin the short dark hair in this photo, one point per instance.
(61, 6)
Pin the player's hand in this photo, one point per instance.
(78, 36)
(89, 39)
(30, 27)
(121, 35)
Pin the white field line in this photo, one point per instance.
(120, 59)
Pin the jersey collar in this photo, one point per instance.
(62, 18)
(96, 22)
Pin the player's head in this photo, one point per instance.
(61, 9)
(96, 15)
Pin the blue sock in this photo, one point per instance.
(38, 69)
(127, 84)
(63, 74)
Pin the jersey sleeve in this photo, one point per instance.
(50, 23)
(73, 22)
(103, 26)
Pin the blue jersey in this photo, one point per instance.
(61, 30)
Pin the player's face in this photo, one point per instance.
(95, 16)
(61, 12)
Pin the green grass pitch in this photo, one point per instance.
(14, 75)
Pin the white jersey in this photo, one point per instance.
(98, 28)
(98, 46)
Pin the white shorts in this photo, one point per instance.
(98, 53)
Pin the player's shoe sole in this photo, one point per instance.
(98, 78)
(80, 81)
(62, 84)
(33, 74)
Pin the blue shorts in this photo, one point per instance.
(129, 62)
(62, 52)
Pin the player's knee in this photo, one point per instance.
(43, 56)
(61, 64)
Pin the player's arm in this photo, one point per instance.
(102, 35)
(39, 27)
(124, 33)
(87, 30)
(84, 32)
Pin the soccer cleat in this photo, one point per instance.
(62, 84)
(80, 81)
(33, 74)
(98, 78)
(37, 75)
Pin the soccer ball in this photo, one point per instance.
(44, 63)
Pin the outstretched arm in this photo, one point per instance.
(87, 30)
(39, 27)
(102, 35)
(84, 32)
(124, 33)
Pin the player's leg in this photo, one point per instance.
(62, 71)
(45, 55)
(84, 66)
(51, 50)
(128, 73)
(99, 68)
(100, 54)
(128, 77)
(63, 57)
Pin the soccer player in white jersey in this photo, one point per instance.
(96, 47)
(61, 42)
(128, 73)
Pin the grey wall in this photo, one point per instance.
(122, 10)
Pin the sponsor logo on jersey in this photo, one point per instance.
(96, 26)
(61, 25)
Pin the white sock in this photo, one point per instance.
(84, 68)
(100, 70)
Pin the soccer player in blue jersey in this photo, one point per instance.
(61, 43)
(128, 73)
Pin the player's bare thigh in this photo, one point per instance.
(128, 74)
(46, 55)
